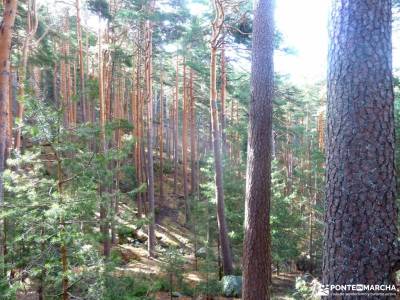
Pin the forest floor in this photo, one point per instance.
(283, 286)
(171, 232)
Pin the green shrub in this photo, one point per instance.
(127, 288)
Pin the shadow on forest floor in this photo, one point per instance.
(283, 286)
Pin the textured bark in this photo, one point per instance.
(226, 250)
(257, 242)
(360, 209)
(6, 27)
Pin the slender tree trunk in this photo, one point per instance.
(289, 157)
(41, 286)
(310, 189)
(63, 248)
(6, 30)
(193, 149)
(63, 84)
(216, 142)
(257, 240)
(37, 79)
(223, 97)
(87, 70)
(104, 226)
(162, 136)
(55, 85)
(82, 92)
(149, 96)
(74, 83)
(118, 116)
(321, 131)
(68, 79)
(10, 125)
(168, 129)
(184, 142)
(360, 238)
(139, 124)
(175, 126)
(32, 23)
(144, 165)
(135, 106)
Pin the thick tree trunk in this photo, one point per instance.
(360, 235)
(257, 242)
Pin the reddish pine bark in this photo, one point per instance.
(6, 27)
(360, 238)
(257, 241)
